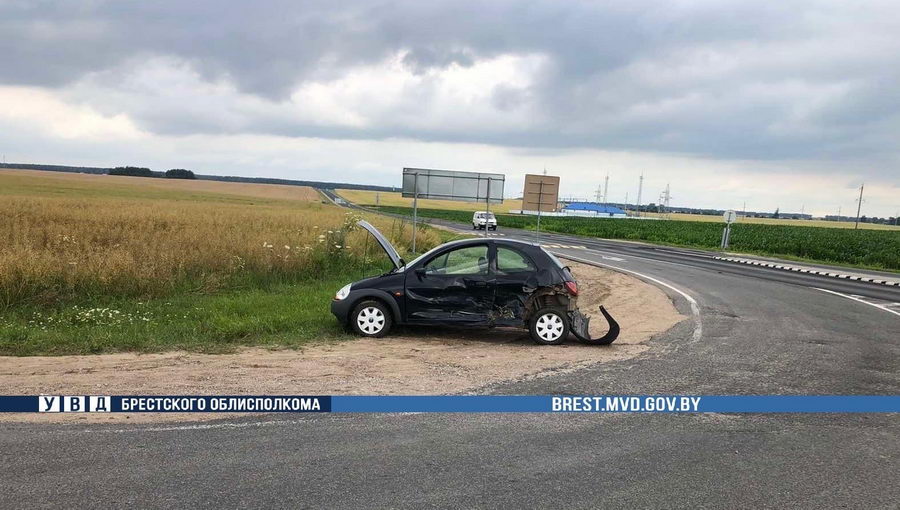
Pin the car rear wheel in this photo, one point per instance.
(371, 318)
(549, 326)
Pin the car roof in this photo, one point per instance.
(480, 240)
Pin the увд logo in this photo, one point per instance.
(73, 404)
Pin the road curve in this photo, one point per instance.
(761, 332)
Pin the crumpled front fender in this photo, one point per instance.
(580, 326)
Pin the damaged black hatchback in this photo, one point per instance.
(472, 282)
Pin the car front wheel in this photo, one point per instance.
(371, 318)
(549, 326)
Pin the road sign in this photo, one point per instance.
(541, 193)
(730, 217)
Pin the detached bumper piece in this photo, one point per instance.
(580, 326)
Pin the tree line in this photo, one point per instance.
(139, 171)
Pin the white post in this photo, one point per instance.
(640, 189)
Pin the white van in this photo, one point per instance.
(484, 219)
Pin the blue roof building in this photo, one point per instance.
(593, 208)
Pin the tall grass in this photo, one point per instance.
(58, 249)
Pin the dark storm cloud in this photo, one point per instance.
(749, 80)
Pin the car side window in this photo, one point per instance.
(512, 261)
(471, 260)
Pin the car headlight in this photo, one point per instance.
(343, 293)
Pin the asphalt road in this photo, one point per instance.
(753, 331)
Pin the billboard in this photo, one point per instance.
(453, 185)
(541, 193)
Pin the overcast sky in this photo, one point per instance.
(776, 104)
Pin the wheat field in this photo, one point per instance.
(75, 236)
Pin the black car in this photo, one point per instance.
(472, 282)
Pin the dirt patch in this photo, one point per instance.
(411, 361)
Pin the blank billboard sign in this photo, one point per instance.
(541, 193)
(453, 185)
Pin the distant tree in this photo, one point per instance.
(777, 213)
(180, 173)
(133, 171)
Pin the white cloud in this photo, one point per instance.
(45, 111)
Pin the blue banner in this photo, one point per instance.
(451, 404)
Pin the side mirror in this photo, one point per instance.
(420, 272)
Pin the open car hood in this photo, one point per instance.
(385, 244)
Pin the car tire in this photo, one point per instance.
(549, 326)
(371, 318)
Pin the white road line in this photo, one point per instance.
(695, 308)
(854, 298)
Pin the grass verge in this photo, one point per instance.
(281, 315)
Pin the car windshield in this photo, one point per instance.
(419, 258)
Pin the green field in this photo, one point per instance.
(873, 249)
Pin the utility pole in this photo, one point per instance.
(626, 202)
(599, 195)
(859, 206)
(606, 189)
(640, 189)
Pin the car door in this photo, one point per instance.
(455, 286)
(514, 282)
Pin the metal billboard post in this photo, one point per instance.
(487, 214)
(415, 208)
(540, 206)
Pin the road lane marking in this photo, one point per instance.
(695, 308)
(854, 298)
